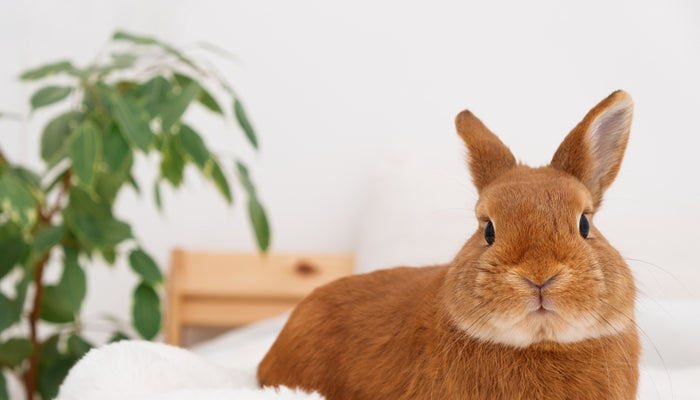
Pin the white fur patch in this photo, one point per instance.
(533, 328)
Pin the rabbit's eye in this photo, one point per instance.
(489, 233)
(584, 227)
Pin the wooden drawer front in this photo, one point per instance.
(250, 275)
(230, 289)
(226, 312)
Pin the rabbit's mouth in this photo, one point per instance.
(542, 310)
(539, 322)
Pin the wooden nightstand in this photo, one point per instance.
(234, 289)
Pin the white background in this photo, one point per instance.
(333, 87)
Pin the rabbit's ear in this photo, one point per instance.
(488, 156)
(593, 151)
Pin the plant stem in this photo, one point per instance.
(31, 374)
(45, 217)
(65, 185)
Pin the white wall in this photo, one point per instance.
(332, 87)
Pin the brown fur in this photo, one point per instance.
(481, 327)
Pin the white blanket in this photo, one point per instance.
(155, 371)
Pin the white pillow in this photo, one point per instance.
(419, 210)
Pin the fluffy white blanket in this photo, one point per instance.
(155, 371)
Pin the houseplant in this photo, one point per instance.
(118, 108)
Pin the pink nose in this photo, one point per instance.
(542, 285)
(545, 303)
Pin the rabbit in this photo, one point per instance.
(535, 305)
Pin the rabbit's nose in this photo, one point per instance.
(543, 301)
(540, 286)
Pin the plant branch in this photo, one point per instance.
(31, 374)
(65, 185)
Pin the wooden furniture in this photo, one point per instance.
(233, 289)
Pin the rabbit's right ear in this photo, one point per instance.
(488, 157)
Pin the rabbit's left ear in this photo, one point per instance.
(594, 149)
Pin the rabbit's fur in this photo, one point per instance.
(542, 312)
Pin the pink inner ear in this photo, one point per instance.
(608, 137)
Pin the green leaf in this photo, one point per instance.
(257, 216)
(244, 122)
(14, 351)
(5, 311)
(53, 368)
(46, 70)
(204, 97)
(156, 195)
(55, 139)
(97, 101)
(17, 304)
(115, 151)
(172, 165)
(174, 108)
(194, 146)
(115, 232)
(155, 92)
(17, 201)
(118, 336)
(138, 39)
(145, 267)
(78, 346)
(244, 178)
(49, 95)
(123, 60)
(30, 180)
(101, 233)
(256, 213)
(73, 283)
(131, 181)
(213, 171)
(109, 255)
(27, 176)
(80, 202)
(108, 185)
(146, 311)
(145, 41)
(84, 152)
(208, 101)
(12, 249)
(48, 237)
(56, 307)
(132, 122)
(182, 80)
(3, 387)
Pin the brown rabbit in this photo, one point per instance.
(536, 305)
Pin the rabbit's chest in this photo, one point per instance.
(592, 371)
